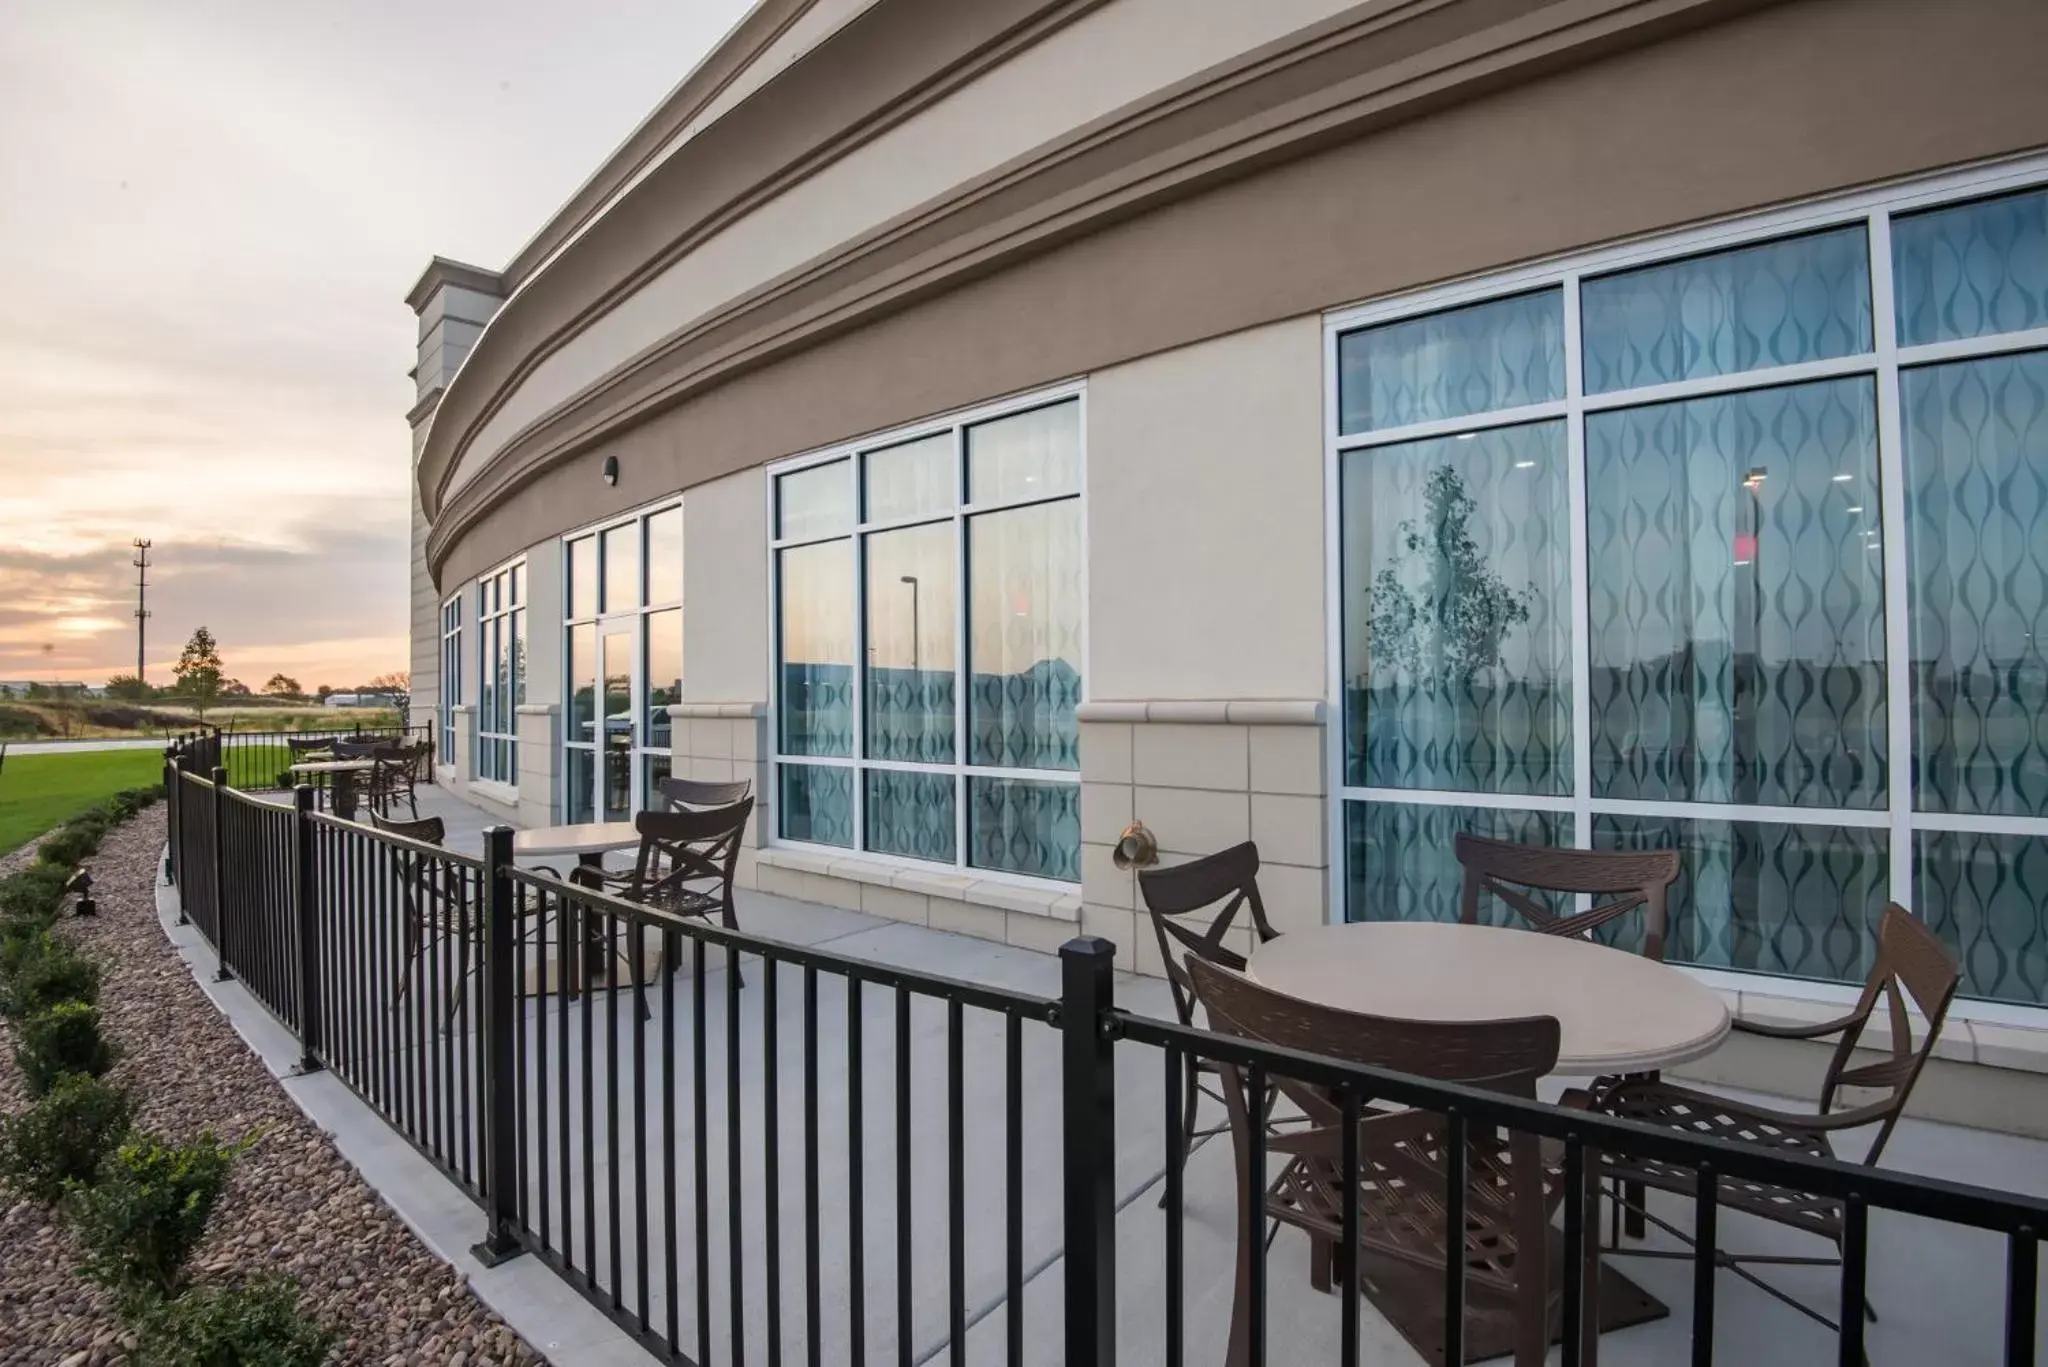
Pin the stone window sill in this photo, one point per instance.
(504, 794)
(1055, 901)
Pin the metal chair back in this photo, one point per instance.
(1403, 1157)
(1912, 963)
(1641, 878)
(687, 859)
(1173, 897)
(682, 793)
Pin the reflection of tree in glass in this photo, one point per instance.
(1452, 622)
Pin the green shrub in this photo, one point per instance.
(147, 1211)
(21, 939)
(64, 1039)
(64, 1137)
(210, 1326)
(36, 891)
(72, 842)
(49, 974)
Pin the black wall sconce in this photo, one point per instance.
(611, 469)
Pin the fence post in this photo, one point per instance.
(1089, 1120)
(220, 875)
(171, 796)
(178, 826)
(500, 1062)
(306, 911)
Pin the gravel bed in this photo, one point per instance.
(20, 856)
(294, 1204)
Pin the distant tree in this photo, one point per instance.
(6, 690)
(199, 671)
(283, 686)
(323, 692)
(129, 688)
(235, 688)
(398, 683)
(36, 692)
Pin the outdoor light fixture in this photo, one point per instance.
(81, 883)
(611, 469)
(1135, 848)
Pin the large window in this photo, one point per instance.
(928, 643)
(624, 651)
(501, 671)
(1737, 546)
(451, 673)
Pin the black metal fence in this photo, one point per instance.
(736, 1147)
(258, 761)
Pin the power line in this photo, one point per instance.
(141, 563)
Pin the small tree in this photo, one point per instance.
(283, 686)
(323, 692)
(199, 671)
(129, 688)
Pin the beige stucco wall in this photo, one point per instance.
(1205, 520)
(725, 578)
(1109, 58)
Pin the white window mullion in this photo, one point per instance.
(1581, 574)
(859, 835)
(1891, 480)
(962, 680)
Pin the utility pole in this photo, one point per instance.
(141, 563)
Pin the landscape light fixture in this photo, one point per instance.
(81, 883)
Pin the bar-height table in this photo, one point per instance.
(589, 841)
(344, 773)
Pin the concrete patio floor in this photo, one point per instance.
(1939, 1291)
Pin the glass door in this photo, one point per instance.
(615, 777)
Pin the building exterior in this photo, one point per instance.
(1604, 422)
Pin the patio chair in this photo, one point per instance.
(685, 866)
(394, 778)
(1504, 868)
(681, 793)
(1911, 964)
(434, 904)
(1514, 1180)
(305, 750)
(1172, 897)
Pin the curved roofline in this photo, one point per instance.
(756, 31)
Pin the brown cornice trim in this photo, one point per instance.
(1367, 69)
(443, 271)
(888, 64)
(757, 31)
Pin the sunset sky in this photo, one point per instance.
(210, 212)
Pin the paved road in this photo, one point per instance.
(73, 747)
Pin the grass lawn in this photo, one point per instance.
(39, 792)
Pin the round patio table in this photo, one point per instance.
(1616, 1012)
(588, 841)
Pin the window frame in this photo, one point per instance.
(856, 532)
(450, 689)
(606, 617)
(1873, 210)
(513, 618)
